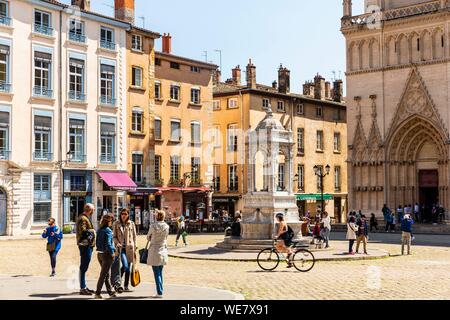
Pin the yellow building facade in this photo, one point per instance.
(317, 119)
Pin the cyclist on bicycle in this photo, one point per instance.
(284, 242)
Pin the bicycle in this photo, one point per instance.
(302, 259)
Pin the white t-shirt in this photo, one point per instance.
(326, 222)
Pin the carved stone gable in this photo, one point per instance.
(359, 144)
(375, 142)
(416, 100)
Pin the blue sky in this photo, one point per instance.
(303, 35)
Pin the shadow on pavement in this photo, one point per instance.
(51, 295)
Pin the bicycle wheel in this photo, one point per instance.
(268, 259)
(303, 260)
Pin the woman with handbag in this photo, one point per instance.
(352, 229)
(125, 237)
(54, 237)
(158, 255)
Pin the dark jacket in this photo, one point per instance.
(105, 240)
(363, 229)
(407, 225)
(85, 231)
(57, 237)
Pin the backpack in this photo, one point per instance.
(290, 234)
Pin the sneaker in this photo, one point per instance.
(53, 274)
(290, 265)
(157, 296)
(98, 297)
(85, 292)
(91, 291)
(119, 290)
(112, 294)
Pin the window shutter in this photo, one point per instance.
(43, 123)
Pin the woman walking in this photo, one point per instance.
(54, 237)
(158, 254)
(352, 228)
(181, 231)
(125, 237)
(106, 253)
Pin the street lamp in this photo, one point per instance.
(60, 165)
(318, 172)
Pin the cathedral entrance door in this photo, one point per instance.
(428, 191)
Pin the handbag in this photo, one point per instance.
(135, 276)
(143, 254)
(51, 246)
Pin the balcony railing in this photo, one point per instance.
(105, 100)
(107, 159)
(5, 87)
(77, 96)
(39, 91)
(42, 156)
(78, 158)
(42, 29)
(106, 44)
(4, 154)
(4, 20)
(77, 37)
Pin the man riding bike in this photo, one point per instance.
(284, 238)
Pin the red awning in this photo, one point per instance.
(187, 189)
(117, 180)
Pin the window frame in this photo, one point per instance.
(337, 178)
(320, 147)
(75, 133)
(137, 120)
(337, 142)
(107, 142)
(157, 138)
(319, 112)
(173, 90)
(301, 177)
(140, 42)
(137, 172)
(283, 106)
(301, 142)
(42, 196)
(172, 132)
(105, 80)
(234, 100)
(196, 96)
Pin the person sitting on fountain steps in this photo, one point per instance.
(284, 238)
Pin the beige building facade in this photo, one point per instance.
(398, 57)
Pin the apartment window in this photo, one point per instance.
(107, 142)
(280, 106)
(232, 137)
(265, 103)
(136, 42)
(76, 80)
(195, 96)
(157, 90)
(4, 13)
(175, 65)
(195, 168)
(158, 133)
(233, 185)
(107, 84)
(42, 198)
(300, 109)
(216, 105)
(337, 142)
(174, 169)
(4, 135)
(195, 132)
(137, 120)
(42, 74)
(76, 31)
(337, 115)
(216, 175)
(175, 92)
(232, 103)
(281, 175)
(319, 146)
(42, 22)
(42, 138)
(301, 140)
(107, 38)
(175, 131)
(337, 178)
(77, 183)
(158, 168)
(157, 62)
(136, 167)
(136, 77)
(5, 85)
(319, 112)
(77, 139)
(301, 177)
(195, 69)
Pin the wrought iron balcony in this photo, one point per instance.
(78, 158)
(107, 159)
(5, 87)
(4, 20)
(39, 91)
(42, 156)
(77, 96)
(4, 154)
(43, 29)
(106, 100)
(77, 37)
(109, 45)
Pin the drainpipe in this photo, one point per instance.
(60, 157)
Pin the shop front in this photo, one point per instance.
(195, 203)
(222, 204)
(77, 193)
(312, 203)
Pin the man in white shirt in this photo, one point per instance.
(326, 221)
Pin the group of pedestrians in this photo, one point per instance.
(357, 231)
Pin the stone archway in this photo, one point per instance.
(415, 147)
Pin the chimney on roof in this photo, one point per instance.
(124, 10)
(217, 77)
(319, 87)
(236, 75)
(251, 75)
(308, 89)
(82, 4)
(328, 90)
(167, 43)
(275, 85)
(284, 80)
(338, 91)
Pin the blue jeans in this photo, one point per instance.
(158, 273)
(85, 255)
(125, 266)
(53, 255)
(115, 273)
